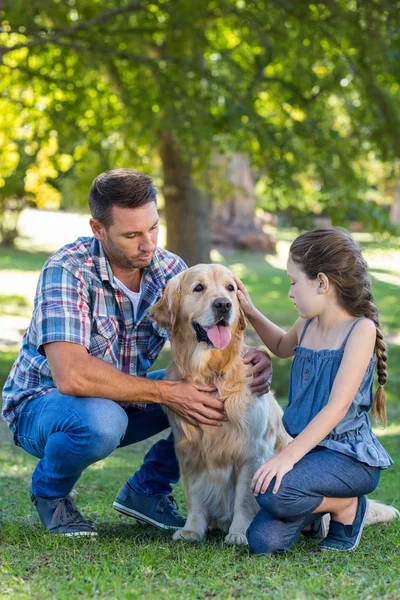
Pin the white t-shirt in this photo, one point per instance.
(133, 296)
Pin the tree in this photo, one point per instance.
(307, 91)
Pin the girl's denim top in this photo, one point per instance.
(311, 379)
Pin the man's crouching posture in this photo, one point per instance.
(80, 387)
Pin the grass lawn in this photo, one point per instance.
(129, 561)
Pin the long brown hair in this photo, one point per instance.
(332, 251)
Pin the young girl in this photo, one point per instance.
(334, 458)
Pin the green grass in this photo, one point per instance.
(14, 305)
(129, 561)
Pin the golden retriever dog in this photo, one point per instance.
(201, 311)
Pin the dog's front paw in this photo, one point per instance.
(188, 535)
(236, 539)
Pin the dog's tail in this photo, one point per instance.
(380, 513)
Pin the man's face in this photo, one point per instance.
(131, 239)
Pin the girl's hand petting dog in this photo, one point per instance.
(277, 466)
(244, 298)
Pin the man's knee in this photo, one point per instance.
(104, 428)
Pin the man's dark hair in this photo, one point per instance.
(126, 188)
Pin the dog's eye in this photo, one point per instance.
(230, 288)
(199, 288)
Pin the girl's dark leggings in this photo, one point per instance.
(319, 474)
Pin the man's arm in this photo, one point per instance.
(77, 373)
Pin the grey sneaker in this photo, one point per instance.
(160, 511)
(61, 516)
(319, 529)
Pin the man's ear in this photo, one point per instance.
(97, 229)
(165, 311)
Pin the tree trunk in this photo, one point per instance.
(233, 222)
(395, 210)
(187, 212)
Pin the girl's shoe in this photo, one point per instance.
(346, 537)
(319, 528)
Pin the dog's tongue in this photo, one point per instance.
(219, 335)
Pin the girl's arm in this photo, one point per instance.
(356, 357)
(277, 340)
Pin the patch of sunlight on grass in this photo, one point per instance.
(279, 260)
(273, 294)
(16, 471)
(276, 280)
(98, 466)
(216, 257)
(392, 429)
(240, 269)
(386, 277)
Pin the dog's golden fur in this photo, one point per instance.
(217, 463)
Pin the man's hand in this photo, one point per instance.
(190, 402)
(261, 370)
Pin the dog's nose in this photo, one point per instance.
(222, 305)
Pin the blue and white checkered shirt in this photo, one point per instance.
(77, 301)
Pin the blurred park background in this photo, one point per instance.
(257, 120)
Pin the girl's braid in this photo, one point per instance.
(371, 312)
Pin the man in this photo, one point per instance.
(80, 386)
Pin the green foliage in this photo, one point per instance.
(309, 91)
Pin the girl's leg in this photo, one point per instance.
(267, 535)
(341, 509)
(320, 474)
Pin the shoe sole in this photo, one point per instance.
(90, 534)
(324, 526)
(327, 548)
(142, 519)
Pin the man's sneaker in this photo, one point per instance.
(346, 537)
(319, 528)
(160, 511)
(61, 516)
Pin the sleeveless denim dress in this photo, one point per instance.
(311, 379)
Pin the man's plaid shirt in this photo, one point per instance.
(77, 301)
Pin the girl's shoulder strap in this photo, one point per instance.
(350, 330)
(304, 330)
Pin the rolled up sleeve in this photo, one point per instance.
(62, 309)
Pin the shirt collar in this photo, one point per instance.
(101, 262)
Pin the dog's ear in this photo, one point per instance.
(242, 320)
(165, 311)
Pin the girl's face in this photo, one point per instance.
(305, 292)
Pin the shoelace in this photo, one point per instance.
(67, 514)
(172, 504)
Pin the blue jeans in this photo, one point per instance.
(68, 434)
(319, 474)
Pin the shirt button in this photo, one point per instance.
(307, 371)
(126, 299)
(306, 377)
(131, 365)
(308, 358)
